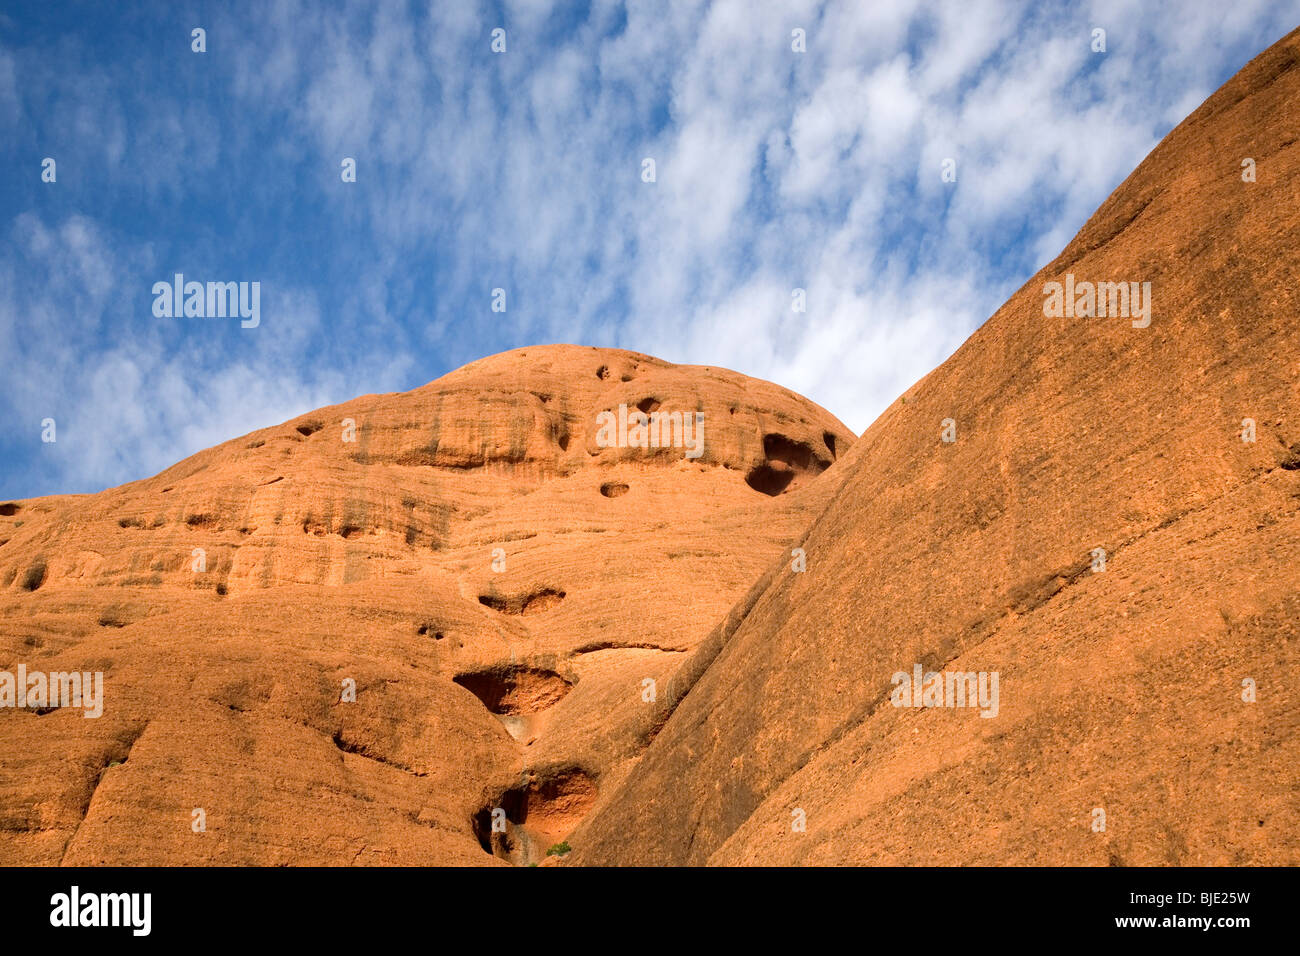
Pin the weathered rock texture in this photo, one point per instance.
(1120, 690)
(518, 686)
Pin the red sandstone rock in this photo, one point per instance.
(1120, 691)
(524, 689)
(373, 560)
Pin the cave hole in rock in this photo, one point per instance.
(515, 689)
(533, 602)
(797, 454)
(770, 479)
(537, 814)
(34, 576)
(786, 458)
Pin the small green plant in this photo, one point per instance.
(559, 849)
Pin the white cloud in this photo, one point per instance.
(776, 170)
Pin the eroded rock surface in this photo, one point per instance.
(1121, 690)
(498, 585)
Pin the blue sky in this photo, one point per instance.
(521, 170)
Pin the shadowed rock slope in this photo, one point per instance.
(1120, 690)
(498, 585)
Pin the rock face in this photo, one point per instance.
(1123, 691)
(498, 579)
(615, 646)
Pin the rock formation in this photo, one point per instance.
(1122, 691)
(497, 578)
(659, 658)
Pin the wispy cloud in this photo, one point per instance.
(775, 170)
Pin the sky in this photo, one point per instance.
(523, 169)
